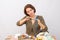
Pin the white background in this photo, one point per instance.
(12, 10)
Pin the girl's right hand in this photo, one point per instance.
(27, 18)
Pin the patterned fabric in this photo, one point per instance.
(44, 36)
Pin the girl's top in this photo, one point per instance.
(35, 28)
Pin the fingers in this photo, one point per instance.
(28, 18)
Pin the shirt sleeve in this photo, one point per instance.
(43, 22)
(18, 22)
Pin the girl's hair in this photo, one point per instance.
(29, 6)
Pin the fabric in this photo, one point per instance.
(44, 36)
(31, 29)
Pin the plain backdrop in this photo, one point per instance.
(13, 10)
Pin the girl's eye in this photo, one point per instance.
(30, 10)
(27, 11)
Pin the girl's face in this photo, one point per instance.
(30, 11)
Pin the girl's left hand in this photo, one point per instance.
(41, 25)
